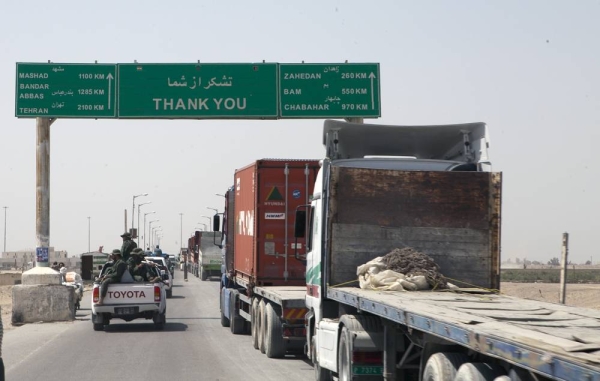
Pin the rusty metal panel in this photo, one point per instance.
(451, 216)
(265, 203)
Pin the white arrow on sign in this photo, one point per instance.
(110, 78)
(372, 76)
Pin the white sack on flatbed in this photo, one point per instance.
(374, 276)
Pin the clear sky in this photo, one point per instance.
(530, 69)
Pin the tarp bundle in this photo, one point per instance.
(401, 270)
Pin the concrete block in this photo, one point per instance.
(40, 275)
(10, 278)
(42, 303)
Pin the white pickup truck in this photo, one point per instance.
(129, 301)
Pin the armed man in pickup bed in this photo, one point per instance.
(138, 269)
(128, 245)
(113, 274)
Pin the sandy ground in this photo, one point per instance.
(579, 295)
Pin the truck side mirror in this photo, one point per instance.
(300, 224)
(216, 223)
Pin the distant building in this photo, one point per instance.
(25, 259)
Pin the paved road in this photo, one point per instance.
(193, 346)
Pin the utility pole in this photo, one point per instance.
(89, 218)
(563, 268)
(6, 207)
(185, 271)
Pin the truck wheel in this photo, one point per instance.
(516, 374)
(97, 326)
(261, 326)
(224, 319)
(169, 293)
(345, 356)
(320, 373)
(478, 372)
(443, 366)
(160, 320)
(254, 323)
(274, 345)
(203, 273)
(235, 320)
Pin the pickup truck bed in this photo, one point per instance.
(554, 339)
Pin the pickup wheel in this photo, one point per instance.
(169, 293)
(203, 273)
(443, 366)
(261, 326)
(236, 322)
(224, 319)
(274, 344)
(97, 326)
(160, 320)
(478, 372)
(254, 323)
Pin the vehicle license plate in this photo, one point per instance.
(126, 310)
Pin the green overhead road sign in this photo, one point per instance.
(66, 90)
(195, 91)
(329, 90)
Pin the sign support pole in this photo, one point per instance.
(42, 193)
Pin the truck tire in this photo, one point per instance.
(320, 373)
(97, 326)
(160, 320)
(350, 324)
(274, 344)
(478, 372)
(203, 273)
(443, 366)
(236, 322)
(224, 319)
(345, 356)
(261, 326)
(254, 323)
(169, 293)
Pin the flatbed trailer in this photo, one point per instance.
(546, 338)
(430, 189)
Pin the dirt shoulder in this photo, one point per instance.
(578, 295)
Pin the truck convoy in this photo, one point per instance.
(428, 188)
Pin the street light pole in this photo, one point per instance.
(157, 235)
(150, 230)
(145, 214)
(89, 218)
(133, 209)
(5, 207)
(185, 259)
(209, 220)
(139, 209)
(155, 231)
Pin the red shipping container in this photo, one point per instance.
(267, 193)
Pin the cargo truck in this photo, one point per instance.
(429, 188)
(262, 272)
(209, 254)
